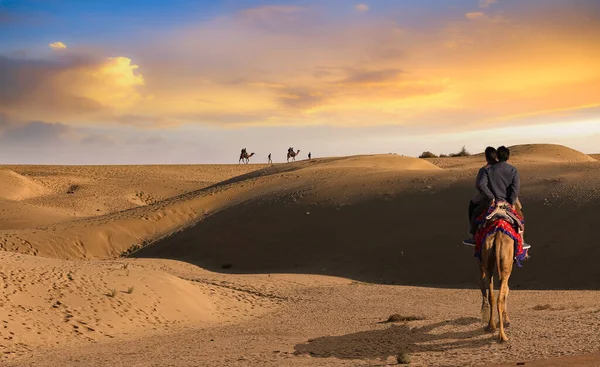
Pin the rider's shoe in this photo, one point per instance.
(469, 241)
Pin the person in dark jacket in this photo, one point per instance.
(502, 181)
(480, 202)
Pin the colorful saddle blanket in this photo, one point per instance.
(504, 219)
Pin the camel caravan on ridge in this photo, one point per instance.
(245, 157)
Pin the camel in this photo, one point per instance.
(292, 154)
(245, 157)
(497, 250)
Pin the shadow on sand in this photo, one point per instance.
(397, 339)
(409, 238)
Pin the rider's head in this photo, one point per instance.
(491, 155)
(503, 154)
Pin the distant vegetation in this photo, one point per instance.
(462, 153)
(427, 155)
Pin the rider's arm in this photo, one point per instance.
(482, 186)
(478, 178)
(514, 188)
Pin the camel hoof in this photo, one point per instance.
(503, 339)
(507, 324)
(490, 329)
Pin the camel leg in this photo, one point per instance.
(491, 322)
(502, 304)
(506, 318)
(505, 254)
(485, 306)
(487, 263)
(504, 269)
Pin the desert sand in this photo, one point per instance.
(296, 264)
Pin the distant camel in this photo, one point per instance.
(292, 154)
(269, 159)
(497, 251)
(244, 157)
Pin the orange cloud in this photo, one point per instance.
(70, 87)
(57, 45)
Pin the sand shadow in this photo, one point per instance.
(381, 344)
(411, 238)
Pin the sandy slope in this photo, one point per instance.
(378, 219)
(15, 187)
(49, 302)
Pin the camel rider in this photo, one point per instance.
(501, 182)
(480, 202)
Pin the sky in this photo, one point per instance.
(181, 81)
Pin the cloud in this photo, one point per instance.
(36, 132)
(57, 45)
(68, 87)
(301, 99)
(373, 77)
(474, 15)
(289, 65)
(361, 7)
(486, 3)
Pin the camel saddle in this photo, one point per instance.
(502, 210)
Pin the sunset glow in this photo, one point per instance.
(235, 74)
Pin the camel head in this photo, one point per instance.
(298, 152)
(251, 154)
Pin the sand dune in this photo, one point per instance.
(14, 186)
(253, 238)
(48, 302)
(376, 162)
(528, 154)
(538, 153)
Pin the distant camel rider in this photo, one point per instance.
(270, 161)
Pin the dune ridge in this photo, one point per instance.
(538, 153)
